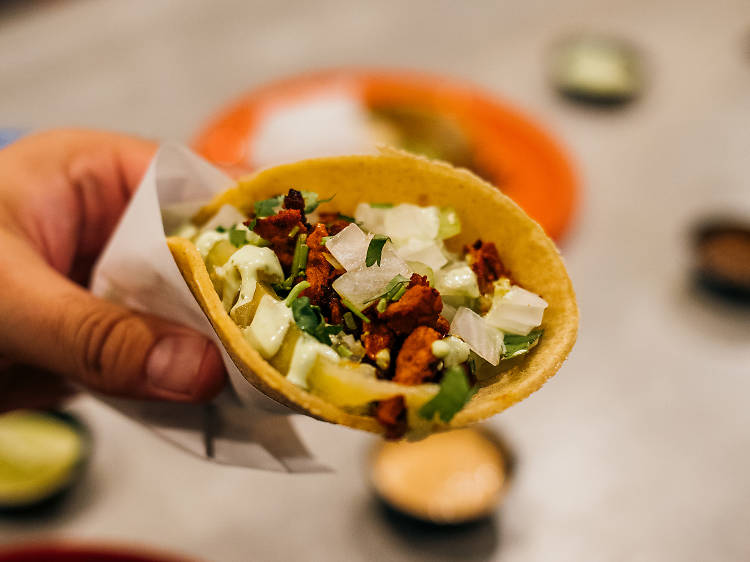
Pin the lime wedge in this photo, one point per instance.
(39, 455)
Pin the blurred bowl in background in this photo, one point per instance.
(448, 478)
(64, 551)
(596, 69)
(351, 111)
(43, 454)
(721, 249)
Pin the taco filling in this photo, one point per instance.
(372, 312)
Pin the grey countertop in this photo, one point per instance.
(638, 449)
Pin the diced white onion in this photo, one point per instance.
(518, 311)
(349, 247)
(485, 340)
(391, 261)
(458, 279)
(362, 285)
(406, 221)
(427, 252)
(371, 218)
(269, 326)
(401, 222)
(226, 216)
(448, 311)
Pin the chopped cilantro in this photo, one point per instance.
(250, 224)
(310, 320)
(332, 329)
(356, 311)
(395, 285)
(397, 281)
(238, 236)
(518, 345)
(295, 292)
(375, 249)
(398, 293)
(220, 229)
(280, 288)
(267, 207)
(455, 391)
(392, 289)
(286, 285)
(343, 351)
(381, 205)
(301, 250)
(312, 200)
(349, 321)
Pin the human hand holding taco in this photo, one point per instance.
(61, 195)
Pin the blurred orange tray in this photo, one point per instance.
(514, 153)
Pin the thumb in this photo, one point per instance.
(122, 352)
(110, 348)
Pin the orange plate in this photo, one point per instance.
(520, 157)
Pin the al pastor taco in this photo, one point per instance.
(387, 293)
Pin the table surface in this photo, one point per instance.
(637, 450)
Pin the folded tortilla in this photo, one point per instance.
(525, 250)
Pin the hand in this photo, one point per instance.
(61, 194)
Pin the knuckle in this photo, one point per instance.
(111, 347)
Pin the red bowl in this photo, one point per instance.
(69, 552)
(515, 154)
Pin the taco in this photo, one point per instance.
(387, 293)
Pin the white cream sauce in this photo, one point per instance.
(206, 240)
(269, 326)
(306, 352)
(250, 262)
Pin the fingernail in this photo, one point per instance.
(174, 363)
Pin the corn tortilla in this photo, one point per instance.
(525, 250)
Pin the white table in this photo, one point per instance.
(637, 450)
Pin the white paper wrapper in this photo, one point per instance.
(242, 426)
